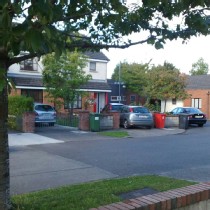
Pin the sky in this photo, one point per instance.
(182, 56)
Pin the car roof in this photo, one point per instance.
(116, 104)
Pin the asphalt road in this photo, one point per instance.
(82, 157)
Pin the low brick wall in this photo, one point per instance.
(28, 122)
(194, 197)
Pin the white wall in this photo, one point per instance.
(169, 105)
(99, 74)
(15, 68)
(101, 70)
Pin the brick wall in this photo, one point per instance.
(194, 197)
(28, 122)
(205, 100)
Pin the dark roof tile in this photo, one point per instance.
(198, 82)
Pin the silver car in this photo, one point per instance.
(44, 114)
(136, 116)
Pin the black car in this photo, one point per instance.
(194, 115)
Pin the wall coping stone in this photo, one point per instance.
(168, 200)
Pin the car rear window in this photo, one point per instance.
(116, 107)
(140, 110)
(45, 108)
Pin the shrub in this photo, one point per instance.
(17, 105)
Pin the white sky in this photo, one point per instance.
(182, 56)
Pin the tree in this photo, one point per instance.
(166, 82)
(63, 77)
(199, 68)
(133, 75)
(41, 27)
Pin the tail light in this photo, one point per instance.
(130, 109)
(110, 107)
(204, 116)
(190, 116)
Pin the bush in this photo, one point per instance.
(17, 105)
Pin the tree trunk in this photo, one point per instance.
(5, 203)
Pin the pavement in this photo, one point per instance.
(32, 170)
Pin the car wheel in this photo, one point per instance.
(125, 124)
(200, 125)
(149, 127)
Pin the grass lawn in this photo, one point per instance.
(92, 194)
(118, 134)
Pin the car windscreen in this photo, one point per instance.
(44, 108)
(140, 110)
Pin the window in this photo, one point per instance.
(37, 95)
(174, 101)
(29, 65)
(77, 103)
(197, 103)
(92, 66)
(114, 98)
(132, 98)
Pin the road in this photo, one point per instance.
(91, 157)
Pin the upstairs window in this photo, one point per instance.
(92, 66)
(29, 65)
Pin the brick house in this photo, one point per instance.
(198, 87)
(27, 78)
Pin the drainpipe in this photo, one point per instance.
(208, 93)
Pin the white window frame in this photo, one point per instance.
(196, 102)
(92, 66)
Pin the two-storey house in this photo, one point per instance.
(27, 77)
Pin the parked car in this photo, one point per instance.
(136, 116)
(112, 107)
(44, 114)
(195, 116)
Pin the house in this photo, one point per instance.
(120, 94)
(198, 88)
(27, 78)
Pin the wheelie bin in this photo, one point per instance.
(94, 122)
(183, 121)
(159, 120)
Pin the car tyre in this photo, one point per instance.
(200, 125)
(125, 124)
(51, 124)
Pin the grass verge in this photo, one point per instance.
(118, 134)
(93, 194)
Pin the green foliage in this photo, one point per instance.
(93, 194)
(199, 68)
(17, 105)
(165, 82)
(133, 75)
(63, 77)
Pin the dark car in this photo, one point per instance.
(194, 115)
(112, 107)
(136, 116)
(44, 114)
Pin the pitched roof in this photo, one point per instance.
(198, 82)
(96, 86)
(96, 55)
(37, 82)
